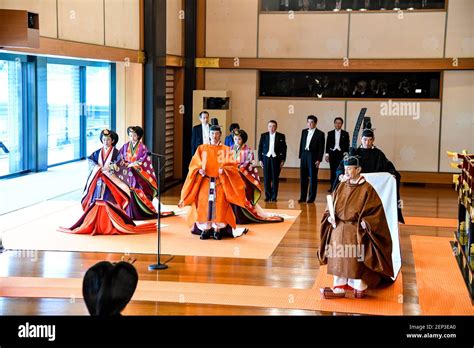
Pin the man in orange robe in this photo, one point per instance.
(213, 182)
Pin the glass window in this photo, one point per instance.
(98, 105)
(11, 118)
(64, 113)
(311, 84)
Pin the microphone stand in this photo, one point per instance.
(158, 266)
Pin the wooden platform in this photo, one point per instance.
(292, 265)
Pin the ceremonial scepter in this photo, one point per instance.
(355, 134)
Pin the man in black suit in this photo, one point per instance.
(272, 157)
(336, 146)
(311, 154)
(200, 134)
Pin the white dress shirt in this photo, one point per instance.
(337, 134)
(271, 151)
(309, 137)
(205, 134)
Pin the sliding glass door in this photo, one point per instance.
(64, 113)
(12, 127)
(79, 108)
(52, 110)
(98, 105)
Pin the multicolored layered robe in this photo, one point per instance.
(252, 212)
(105, 200)
(102, 183)
(138, 174)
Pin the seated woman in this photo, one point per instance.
(105, 196)
(243, 155)
(136, 170)
(102, 184)
(356, 243)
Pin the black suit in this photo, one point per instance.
(196, 138)
(308, 166)
(271, 165)
(336, 156)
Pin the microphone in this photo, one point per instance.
(149, 153)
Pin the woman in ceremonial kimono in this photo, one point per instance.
(356, 243)
(136, 170)
(245, 159)
(212, 184)
(105, 196)
(102, 184)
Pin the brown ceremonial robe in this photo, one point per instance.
(354, 203)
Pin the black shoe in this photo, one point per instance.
(301, 200)
(206, 234)
(267, 200)
(217, 235)
(310, 201)
(329, 190)
(274, 200)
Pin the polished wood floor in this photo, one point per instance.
(293, 264)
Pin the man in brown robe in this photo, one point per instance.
(355, 243)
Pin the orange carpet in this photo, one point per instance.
(441, 288)
(40, 233)
(430, 221)
(381, 302)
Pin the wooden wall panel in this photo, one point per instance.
(129, 98)
(304, 36)
(174, 27)
(460, 30)
(45, 8)
(81, 20)
(386, 35)
(410, 141)
(417, 140)
(384, 134)
(291, 117)
(457, 127)
(243, 85)
(231, 28)
(122, 23)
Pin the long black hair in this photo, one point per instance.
(136, 129)
(109, 133)
(107, 288)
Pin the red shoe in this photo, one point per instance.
(346, 287)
